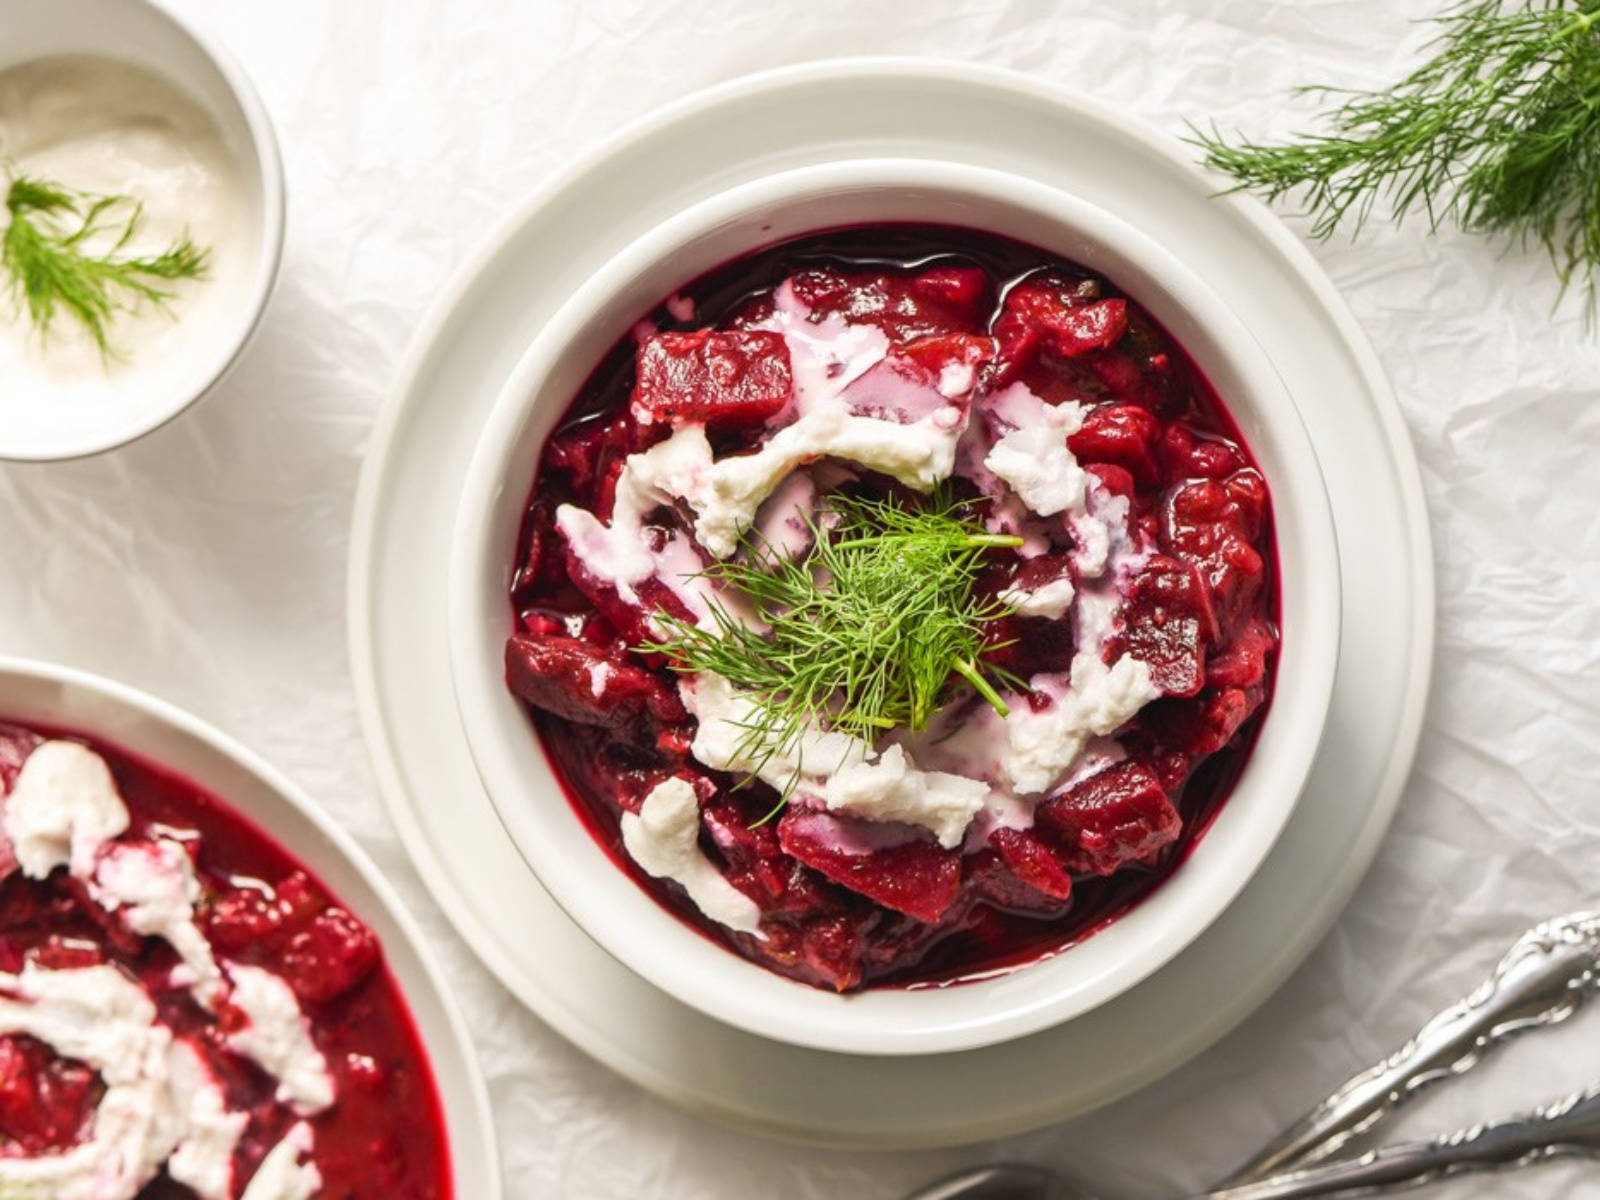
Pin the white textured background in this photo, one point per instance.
(207, 562)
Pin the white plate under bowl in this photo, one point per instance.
(632, 924)
(461, 359)
(35, 692)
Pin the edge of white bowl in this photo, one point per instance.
(482, 1180)
(750, 1003)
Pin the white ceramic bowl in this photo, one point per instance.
(33, 692)
(629, 923)
(153, 390)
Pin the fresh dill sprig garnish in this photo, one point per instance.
(64, 250)
(874, 628)
(1498, 132)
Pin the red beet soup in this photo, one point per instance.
(162, 956)
(897, 605)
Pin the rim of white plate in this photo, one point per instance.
(564, 1012)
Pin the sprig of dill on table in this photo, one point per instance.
(1497, 132)
(64, 250)
(874, 628)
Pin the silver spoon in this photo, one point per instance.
(1541, 981)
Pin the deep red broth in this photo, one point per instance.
(384, 1137)
(603, 774)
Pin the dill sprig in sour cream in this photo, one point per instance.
(123, 225)
(67, 251)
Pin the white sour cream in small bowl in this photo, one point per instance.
(121, 99)
(615, 910)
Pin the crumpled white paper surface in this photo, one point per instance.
(207, 562)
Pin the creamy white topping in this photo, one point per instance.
(278, 1038)
(203, 1160)
(1045, 744)
(152, 887)
(62, 808)
(99, 1016)
(892, 788)
(621, 552)
(1035, 461)
(664, 839)
(782, 523)
(842, 772)
(1050, 600)
(599, 675)
(287, 1172)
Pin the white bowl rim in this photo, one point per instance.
(264, 275)
(828, 1022)
(480, 1118)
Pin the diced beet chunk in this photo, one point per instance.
(58, 953)
(905, 306)
(1116, 816)
(333, 954)
(990, 880)
(1069, 322)
(1189, 454)
(1167, 623)
(1033, 861)
(581, 453)
(961, 353)
(630, 620)
(45, 1099)
(581, 682)
(1206, 724)
(917, 877)
(1127, 380)
(829, 948)
(964, 291)
(756, 862)
(1122, 435)
(1115, 479)
(728, 380)
(241, 919)
(1242, 663)
(1212, 524)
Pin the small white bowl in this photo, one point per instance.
(151, 392)
(624, 919)
(43, 694)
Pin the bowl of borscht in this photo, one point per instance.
(894, 606)
(206, 988)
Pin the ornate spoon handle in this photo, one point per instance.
(1571, 1126)
(1541, 981)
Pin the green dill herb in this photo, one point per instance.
(873, 629)
(1497, 132)
(65, 251)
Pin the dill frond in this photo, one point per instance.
(1498, 132)
(875, 628)
(46, 255)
